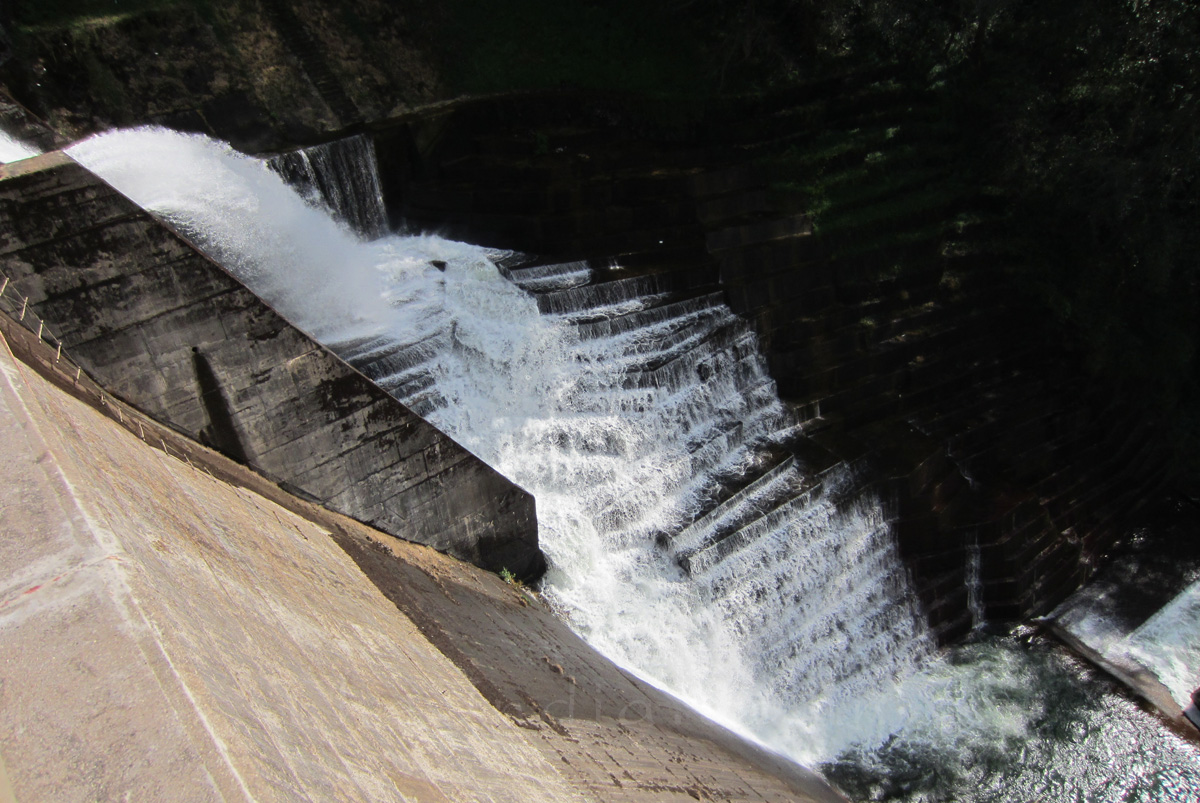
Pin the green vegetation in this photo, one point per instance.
(32, 15)
(1081, 120)
(1096, 140)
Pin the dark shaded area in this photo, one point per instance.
(653, 48)
(1149, 570)
(877, 281)
(313, 61)
(221, 433)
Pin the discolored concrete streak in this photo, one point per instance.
(173, 626)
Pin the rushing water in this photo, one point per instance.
(783, 611)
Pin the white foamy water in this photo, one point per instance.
(1001, 721)
(1145, 615)
(784, 613)
(13, 149)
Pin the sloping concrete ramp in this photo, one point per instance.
(168, 635)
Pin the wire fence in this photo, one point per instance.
(18, 309)
(58, 365)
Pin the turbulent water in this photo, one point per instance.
(1169, 644)
(783, 612)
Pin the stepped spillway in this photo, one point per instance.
(688, 537)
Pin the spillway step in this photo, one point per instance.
(733, 342)
(747, 503)
(603, 296)
(644, 318)
(790, 513)
(408, 384)
(426, 402)
(383, 364)
(654, 346)
(366, 347)
(800, 514)
(551, 278)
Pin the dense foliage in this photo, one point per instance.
(1090, 122)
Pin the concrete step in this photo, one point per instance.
(750, 502)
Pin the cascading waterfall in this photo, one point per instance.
(782, 611)
(974, 584)
(622, 417)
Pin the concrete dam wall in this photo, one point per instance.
(167, 330)
(175, 627)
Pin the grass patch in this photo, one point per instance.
(510, 578)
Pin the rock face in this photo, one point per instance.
(165, 329)
(179, 628)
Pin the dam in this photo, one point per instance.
(171, 615)
(494, 326)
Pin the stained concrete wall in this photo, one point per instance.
(164, 328)
(171, 634)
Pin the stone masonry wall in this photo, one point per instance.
(164, 328)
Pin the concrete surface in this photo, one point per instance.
(168, 636)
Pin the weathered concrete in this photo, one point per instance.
(161, 326)
(171, 634)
